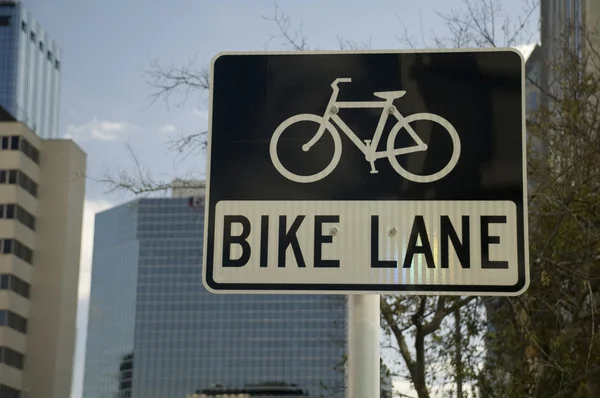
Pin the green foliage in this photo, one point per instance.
(549, 336)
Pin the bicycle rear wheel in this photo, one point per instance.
(337, 150)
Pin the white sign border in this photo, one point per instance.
(366, 291)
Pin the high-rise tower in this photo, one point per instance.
(30, 63)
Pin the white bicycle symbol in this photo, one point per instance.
(369, 148)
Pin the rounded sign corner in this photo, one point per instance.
(520, 288)
(519, 54)
(210, 285)
(217, 57)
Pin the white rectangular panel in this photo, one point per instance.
(351, 258)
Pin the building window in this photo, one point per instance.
(17, 322)
(11, 282)
(32, 36)
(18, 177)
(13, 176)
(19, 286)
(13, 211)
(24, 26)
(41, 46)
(125, 385)
(49, 55)
(30, 151)
(16, 142)
(9, 392)
(7, 246)
(13, 321)
(27, 184)
(13, 246)
(4, 20)
(7, 211)
(57, 64)
(25, 217)
(11, 357)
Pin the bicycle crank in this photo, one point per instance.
(370, 159)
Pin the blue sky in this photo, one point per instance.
(107, 44)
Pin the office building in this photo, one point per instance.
(155, 332)
(568, 27)
(565, 23)
(30, 63)
(42, 184)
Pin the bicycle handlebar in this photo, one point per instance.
(340, 80)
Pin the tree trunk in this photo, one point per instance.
(419, 379)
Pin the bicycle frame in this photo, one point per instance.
(369, 147)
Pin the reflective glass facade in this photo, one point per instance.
(29, 70)
(112, 300)
(176, 336)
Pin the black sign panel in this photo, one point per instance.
(358, 172)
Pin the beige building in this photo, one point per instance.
(42, 184)
(186, 188)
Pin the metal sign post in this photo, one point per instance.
(363, 346)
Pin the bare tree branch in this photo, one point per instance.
(346, 44)
(140, 181)
(293, 38)
(171, 80)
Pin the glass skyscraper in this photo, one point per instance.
(29, 70)
(155, 332)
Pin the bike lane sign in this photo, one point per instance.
(376, 172)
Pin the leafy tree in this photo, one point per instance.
(550, 338)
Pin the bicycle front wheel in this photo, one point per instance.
(335, 158)
(424, 178)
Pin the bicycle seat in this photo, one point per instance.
(389, 94)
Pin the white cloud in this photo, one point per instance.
(101, 130)
(91, 207)
(202, 113)
(168, 128)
